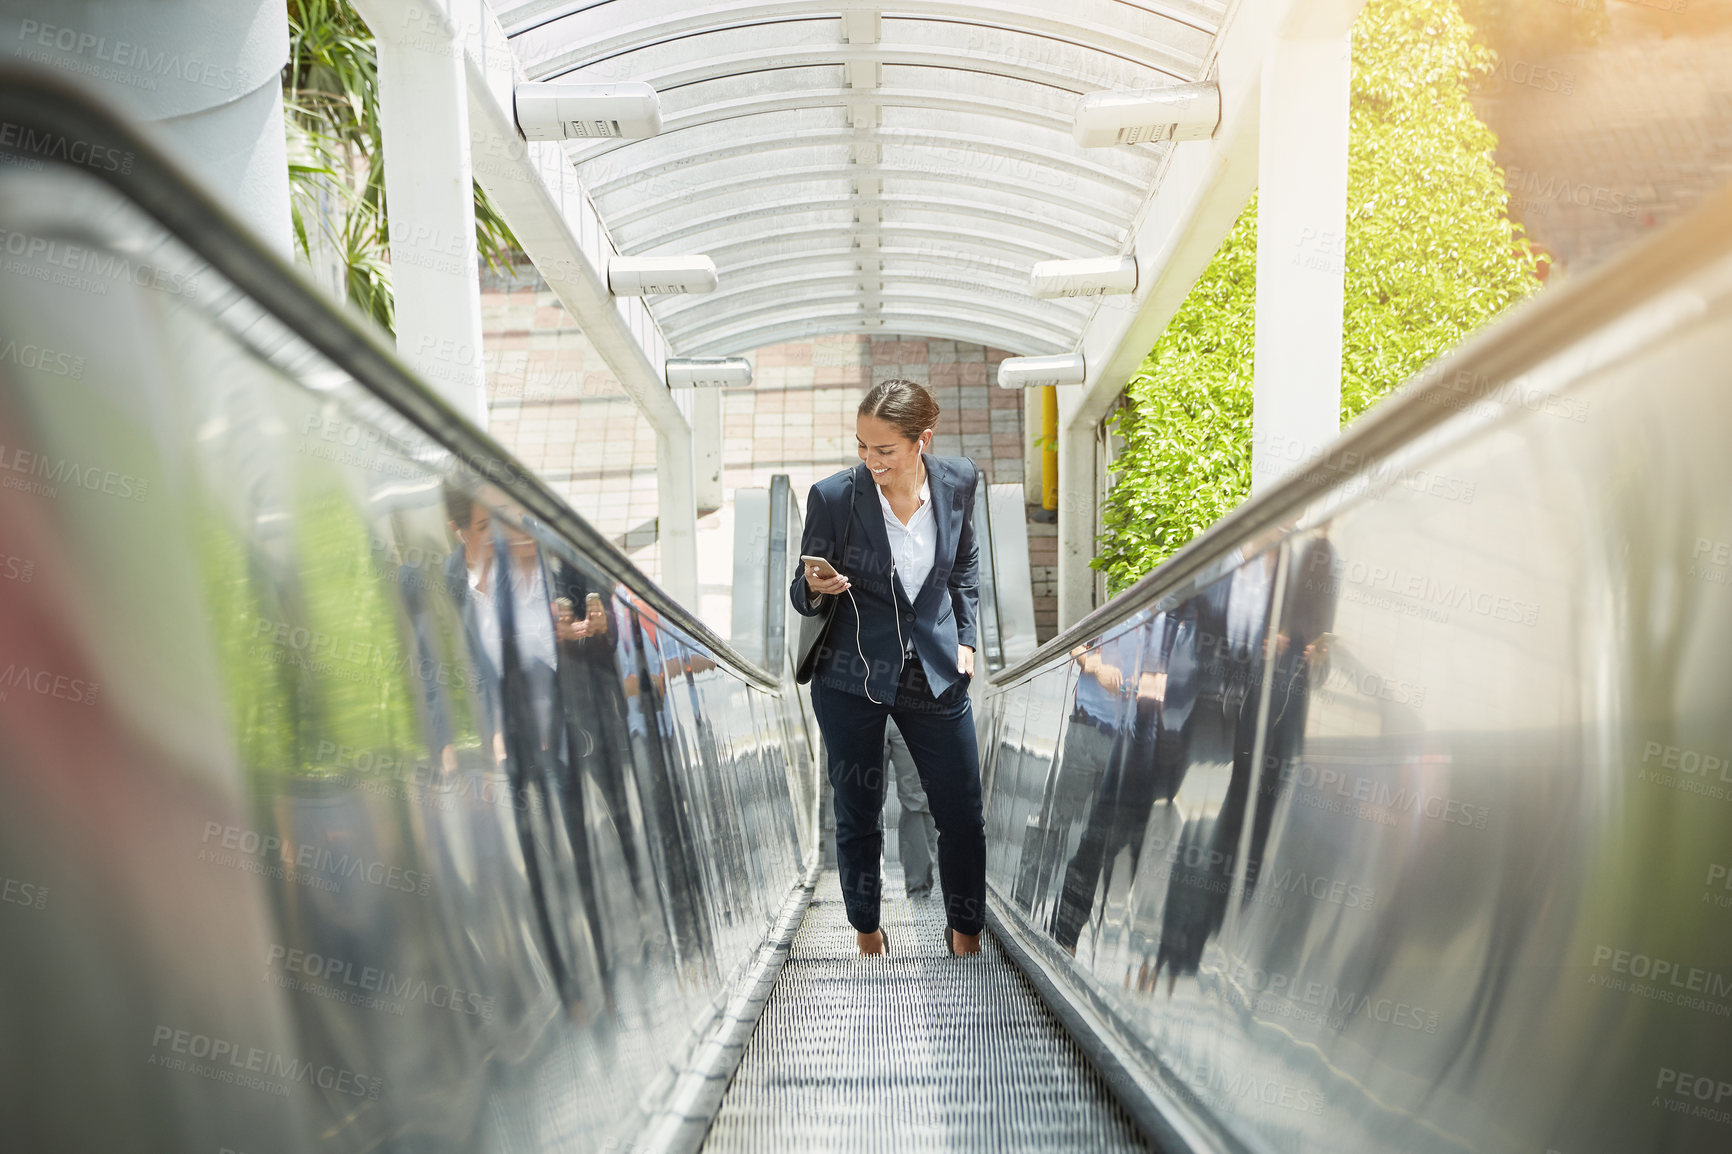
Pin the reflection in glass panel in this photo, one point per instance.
(1428, 777)
(1044, 699)
(416, 805)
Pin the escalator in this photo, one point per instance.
(916, 1051)
(356, 795)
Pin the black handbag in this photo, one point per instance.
(814, 628)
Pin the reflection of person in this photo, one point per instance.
(469, 579)
(523, 623)
(1207, 844)
(1301, 657)
(668, 816)
(597, 738)
(1209, 847)
(900, 646)
(1149, 761)
(1088, 747)
(532, 616)
(594, 743)
(495, 578)
(916, 833)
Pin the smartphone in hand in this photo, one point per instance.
(826, 571)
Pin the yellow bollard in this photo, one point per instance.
(1049, 449)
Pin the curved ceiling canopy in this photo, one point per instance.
(856, 172)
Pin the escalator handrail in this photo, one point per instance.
(61, 118)
(1516, 343)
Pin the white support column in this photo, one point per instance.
(1077, 514)
(1031, 452)
(1301, 246)
(429, 198)
(707, 447)
(677, 498)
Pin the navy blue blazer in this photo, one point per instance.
(945, 609)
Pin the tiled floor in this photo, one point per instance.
(553, 402)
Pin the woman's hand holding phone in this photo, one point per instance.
(821, 576)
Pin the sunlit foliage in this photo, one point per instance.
(1431, 256)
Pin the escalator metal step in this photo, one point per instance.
(918, 1051)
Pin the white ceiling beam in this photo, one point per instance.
(861, 29)
(995, 155)
(843, 297)
(705, 65)
(1174, 45)
(974, 276)
(698, 188)
(1077, 241)
(739, 340)
(903, 235)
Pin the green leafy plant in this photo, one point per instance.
(336, 156)
(1431, 256)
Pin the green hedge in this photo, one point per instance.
(1431, 256)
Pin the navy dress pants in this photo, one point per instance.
(940, 736)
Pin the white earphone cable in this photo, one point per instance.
(895, 617)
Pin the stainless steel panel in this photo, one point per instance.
(991, 647)
(1412, 828)
(748, 629)
(783, 554)
(352, 796)
(1013, 583)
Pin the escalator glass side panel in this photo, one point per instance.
(1403, 819)
(344, 803)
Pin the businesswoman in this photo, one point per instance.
(899, 530)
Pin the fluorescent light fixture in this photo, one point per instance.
(1038, 372)
(1180, 112)
(1106, 276)
(709, 373)
(556, 110)
(642, 276)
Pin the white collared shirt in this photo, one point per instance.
(912, 546)
(486, 615)
(531, 615)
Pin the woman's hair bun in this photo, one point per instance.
(908, 405)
